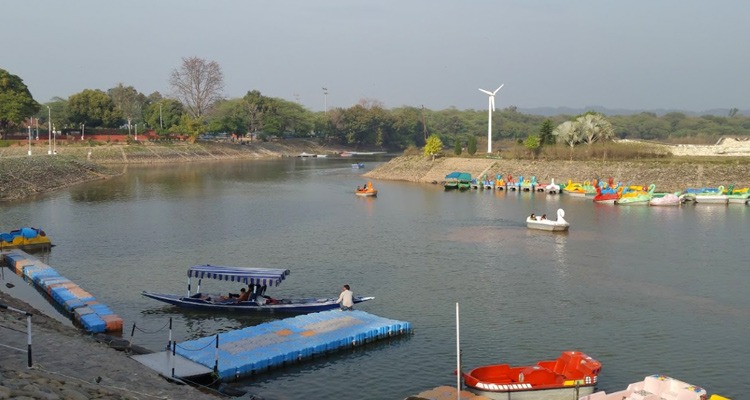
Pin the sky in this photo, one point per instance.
(640, 54)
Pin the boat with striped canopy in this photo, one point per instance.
(257, 281)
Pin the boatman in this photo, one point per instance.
(346, 299)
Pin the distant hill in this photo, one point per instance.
(552, 111)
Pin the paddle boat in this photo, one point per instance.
(737, 196)
(669, 199)
(451, 181)
(525, 185)
(257, 280)
(712, 197)
(552, 188)
(638, 197)
(367, 191)
(488, 183)
(511, 184)
(358, 165)
(544, 224)
(464, 181)
(574, 189)
(570, 376)
(657, 387)
(499, 182)
(26, 238)
(607, 195)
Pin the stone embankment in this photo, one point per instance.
(23, 176)
(69, 365)
(669, 175)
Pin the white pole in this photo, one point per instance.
(161, 124)
(30, 139)
(458, 357)
(136, 132)
(489, 129)
(49, 128)
(54, 140)
(37, 129)
(83, 131)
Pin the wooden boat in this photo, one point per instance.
(544, 224)
(570, 376)
(367, 191)
(257, 279)
(25, 238)
(658, 387)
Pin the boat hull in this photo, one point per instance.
(373, 193)
(708, 199)
(563, 393)
(289, 306)
(550, 227)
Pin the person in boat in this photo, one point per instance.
(532, 216)
(346, 299)
(244, 295)
(544, 216)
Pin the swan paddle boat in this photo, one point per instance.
(607, 195)
(570, 376)
(367, 191)
(257, 279)
(657, 387)
(544, 224)
(712, 197)
(669, 199)
(552, 188)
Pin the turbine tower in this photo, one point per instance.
(489, 121)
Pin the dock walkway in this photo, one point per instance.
(236, 354)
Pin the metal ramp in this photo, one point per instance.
(163, 362)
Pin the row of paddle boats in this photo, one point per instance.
(572, 375)
(464, 181)
(647, 195)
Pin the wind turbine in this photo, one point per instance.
(489, 121)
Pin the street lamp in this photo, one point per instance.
(37, 129)
(54, 140)
(325, 100)
(136, 132)
(30, 137)
(83, 131)
(49, 128)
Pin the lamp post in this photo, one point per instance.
(30, 137)
(49, 128)
(54, 140)
(37, 129)
(83, 131)
(136, 132)
(325, 100)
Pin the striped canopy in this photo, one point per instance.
(248, 276)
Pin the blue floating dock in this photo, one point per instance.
(78, 304)
(256, 349)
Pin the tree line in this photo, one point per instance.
(197, 106)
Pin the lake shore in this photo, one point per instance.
(669, 175)
(25, 176)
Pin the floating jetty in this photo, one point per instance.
(79, 305)
(237, 354)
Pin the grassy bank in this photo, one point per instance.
(669, 175)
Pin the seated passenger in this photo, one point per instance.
(244, 295)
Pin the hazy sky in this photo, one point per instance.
(637, 54)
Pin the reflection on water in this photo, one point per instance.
(643, 289)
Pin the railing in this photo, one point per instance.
(28, 331)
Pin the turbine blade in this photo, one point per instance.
(496, 90)
(486, 91)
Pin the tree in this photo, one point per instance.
(457, 149)
(198, 84)
(594, 126)
(472, 145)
(16, 102)
(192, 126)
(93, 108)
(433, 146)
(164, 115)
(533, 144)
(128, 102)
(568, 132)
(545, 133)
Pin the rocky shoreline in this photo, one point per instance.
(669, 175)
(71, 365)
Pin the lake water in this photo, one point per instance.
(642, 289)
